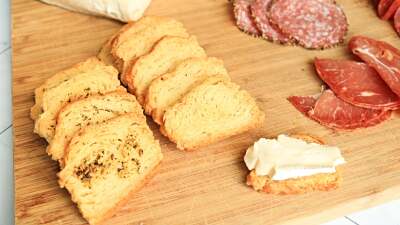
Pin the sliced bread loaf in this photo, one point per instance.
(88, 65)
(104, 54)
(94, 109)
(79, 85)
(210, 112)
(169, 88)
(105, 163)
(142, 41)
(166, 54)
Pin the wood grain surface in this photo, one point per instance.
(206, 186)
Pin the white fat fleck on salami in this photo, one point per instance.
(259, 10)
(334, 113)
(381, 56)
(244, 20)
(357, 83)
(314, 24)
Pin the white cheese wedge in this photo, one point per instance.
(123, 10)
(285, 158)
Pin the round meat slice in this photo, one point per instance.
(259, 10)
(392, 10)
(383, 6)
(334, 113)
(356, 83)
(397, 21)
(303, 103)
(381, 56)
(314, 24)
(244, 20)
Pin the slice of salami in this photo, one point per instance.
(303, 103)
(259, 10)
(391, 11)
(244, 20)
(381, 56)
(356, 83)
(383, 6)
(397, 21)
(335, 113)
(314, 24)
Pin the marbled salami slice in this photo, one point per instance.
(396, 19)
(356, 83)
(259, 10)
(381, 56)
(383, 6)
(314, 24)
(244, 20)
(332, 112)
(392, 10)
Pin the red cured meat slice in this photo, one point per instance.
(392, 9)
(381, 56)
(383, 6)
(334, 113)
(314, 24)
(397, 21)
(259, 10)
(356, 83)
(303, 103)
(244, 20)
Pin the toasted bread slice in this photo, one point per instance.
(104, 54)
(166, 55)
(88, 65)
(92, 110)
(143, 40)
(318, 182)
(169, 88)
(100, 80)
(212, 111)
(106, 162)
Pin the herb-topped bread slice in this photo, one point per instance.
(88, 65)
(99, 80)
(142, 41)
(105, 163)
(166, 55)
(92, 110)
(169, 88)
(212, 111)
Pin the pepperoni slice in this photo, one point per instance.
(259, 10)
(244, 20)
(357, 84)
(381, 56)
(314, 24)
(383, 6)
(397, 21)
(392, 9)
(335, 113)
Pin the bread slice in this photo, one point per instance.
(318, 182)
(212, 111)
(99, 80)
(104, 54)
(166, 54)
(169, 88)
(143, 40)
(88, 65)
(92, 110)
(105, 163)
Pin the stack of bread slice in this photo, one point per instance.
(98, 133)
(188, 94)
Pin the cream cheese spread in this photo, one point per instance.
(286, 157)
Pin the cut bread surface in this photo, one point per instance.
(92, 110)
(88, 65)
(99, 80)
(143, 40)
(106, 162)
(212, 111)
(169, 88)
(166, 55)
(300, 185)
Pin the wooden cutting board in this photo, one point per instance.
(206, 186)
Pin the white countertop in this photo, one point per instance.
(387, 214)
